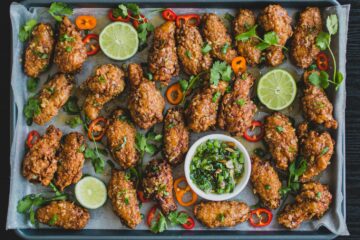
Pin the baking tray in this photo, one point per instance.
(321, 233)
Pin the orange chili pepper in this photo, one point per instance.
(174, 94)
(238, 64)
(85, 22)
(180, 192)
(95, 126)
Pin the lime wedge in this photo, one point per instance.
(276, 89)
(119, 41)
(90, 192)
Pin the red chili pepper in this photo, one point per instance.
(32, 138)
(94, 48)
(169, 15)
(190, 224)
(119, 18)
(151, 215)
(142, 197)
(263, 215)
(139, 20)
(191, 19)
(254, 137)
(95, 126)
(322, 62)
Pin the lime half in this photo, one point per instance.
(119, 41)
(276, 89)
(90, 192)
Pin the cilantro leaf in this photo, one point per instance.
(32, 84)
(71, 106)
(59, 9)
(216, 96)
(206, 48)
(262, 46)
(53, 219)
(338, 80)
(160, 225)
(296, 169)
(31, 109)
(74, 122)
(134, 8)
(229, 17)
(184, 85)
(271, 38)
(220, 71)
(332, 24)
(25, 204)
(178, 217)
(319, 80)
(240, 101)
(120, 11)
(224, 48)
(247, 35)
(323, 40)
(188, 54)
(96, 160)
(26, 29)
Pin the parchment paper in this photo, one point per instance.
(104, 218)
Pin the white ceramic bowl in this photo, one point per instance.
(239, 186)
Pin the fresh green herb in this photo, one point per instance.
(26, 29)
(59, 9)
(220, 71)
(133, 175)
(126, 200)
(68, 49)
(192, 83)
(224, 48)
(82, 148)
(55, 189)
(50, 90)
(206, 48)
(102, 79)
(53, 220)
(74, 122)
(120, 11)
(318, 195)
(178, 217)
(188, 54)
(120, 145)
(41, 54)
(32, 84)
(66, 38)
(320, 79)
(324, 151)
(144, 145)
(240, 102)
(296, 169)
(216, 96)
(71, 106)
(184, 85)
(149, 76)
(220, 217)
(96, 160)
(171, 125)
(229, 17)
(143, 31)
(31, 109)
(267, 187)
(160, 225)
(279, 129)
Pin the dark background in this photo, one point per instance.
(352, 119)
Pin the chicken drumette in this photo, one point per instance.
(275, 18)
(70, 51)
(237, 109)
(39, 50)
(312, 202)
(122, 194)
(158, 184)
(282, 140)
(146, 103)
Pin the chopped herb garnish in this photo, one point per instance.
(32, 84)
(220, 217)
(71, 106)
(66, 38)
(26, 29)
(267, 187)
(59, 9)
(220, 71)
(74, 122)
(53, 219)
(324, 151)
(68, 49)
(240, 102)
(318, 195)
(279, 129)
(229, 17)
(296, 169)
(206, 48)
(224, 48)
(216, 96)
(102, 79)
(32, 109)
(188, 54)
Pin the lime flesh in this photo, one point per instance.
(276, 89)
(90, 192)
(119, 41)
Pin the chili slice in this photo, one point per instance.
(261, 214)
(151, 215)
(191, 19)
(174, 94)
(190, 224)
(119, 18)
(32, 138)
(238, 64)
(94, 48)
(180, 192)
(169, 15)
(322, 62)
(255, 137)
(95, 126)
(142, 197)
(85, 22)
(139, 20)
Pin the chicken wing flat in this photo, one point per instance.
(282, 140)
(216, 34)
(162, 59)
(107, 83)
(316, 105)
(39, 50)
(189, 50)
(71, 160)
(146, 103)
(176, 136)
(121, 135)
(202, 111)
(52, 97)
(303, 46)
(244, 20)
(70, 51)
(222, 214)
(122, 194)
(63, 214)
(40, 162)
(266, 182)
(237, 110)
(312, 202)
(275, 18)
(158, 184)
(317, 149)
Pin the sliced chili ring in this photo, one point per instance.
(169, 15)
(322, 62)
(151, 215)
(180, 192)
(255, 137)
(261, 214)
(119, 18)
(139, 20)
(238, 64)
(142, 197)
(190, 19)
(97, 126)
(174, 94)
(32, 138)
(190, 224)
(94, 47)
(85, 22)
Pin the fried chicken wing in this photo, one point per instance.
(266, 182)
(40, 162)
(176, 136)
(39, 50)
(244, 20)
(107, 83)
(303, 46)
(189, 50)
(275, 18)
(216, 34)
(237, 109)
(146, 103)
(122, 194)
(52, 97)
(317, 149)
(71, 160)
(316, 105)
(312, 202)
(158, 184)
(162, 59)
(202, 111)
(121, 140)
(282, 140)
(222, 214)
(63, 214)
(70, 51)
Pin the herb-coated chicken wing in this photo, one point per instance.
(122, 194)
(39, 50)
(40, 163)
(312, 202)
(222, 214)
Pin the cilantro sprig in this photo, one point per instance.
(58, 9)
(145, 143)
(96, 156)
(175, 218)
(296, 169)
(220, 71)
(26, 29)
(31, 109)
